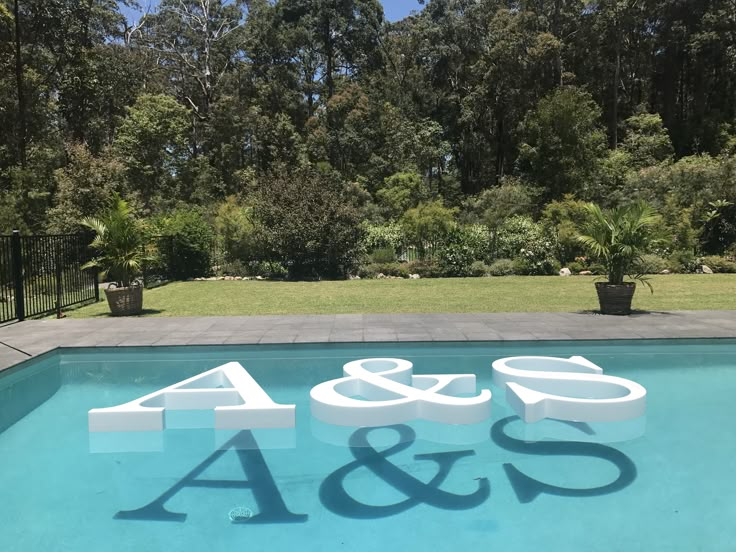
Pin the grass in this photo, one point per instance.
(449, 295)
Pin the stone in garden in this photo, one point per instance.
(414, 276)
(665, 271)
(565, 272)
(238, 278)
(380, 276)
(260, 278)
(585, 273)
(706, 269)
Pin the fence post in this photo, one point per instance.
(17, 259)
(58, 274)
(97, 285)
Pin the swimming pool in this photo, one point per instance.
(501, 484)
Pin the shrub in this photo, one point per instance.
(520, 233)
(235, 230)
(186, 244)
(383, 236)
(372, 270)
(428, 224)
(650, 264)
(426, 268)
(383, 255)
(563, 220)
(477, 238)
(305, 220)
(528, 265)
(479, 268)
(718, 264)
(501, 267)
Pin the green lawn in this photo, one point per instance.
(508, 294)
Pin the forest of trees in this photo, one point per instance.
(258, 116)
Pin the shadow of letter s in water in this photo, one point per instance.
(528, 488)
(271, 505)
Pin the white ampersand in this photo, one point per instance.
(383, 391)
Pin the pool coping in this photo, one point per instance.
(24, 340)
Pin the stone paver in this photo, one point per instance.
(20, 340)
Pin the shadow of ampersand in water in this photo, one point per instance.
(334, 497)
(528, 488)
(260, 482)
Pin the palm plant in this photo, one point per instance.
(118, 242)
(618, 237)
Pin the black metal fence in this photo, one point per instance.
(43, 274)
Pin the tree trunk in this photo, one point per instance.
(556, 33)
(19, 85)
(616, 81)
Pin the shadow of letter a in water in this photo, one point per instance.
(260, 482)
(527, 488)
(335, 498)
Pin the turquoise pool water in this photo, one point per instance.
(553, 487)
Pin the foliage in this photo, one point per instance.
(400, 192)
(428, 268)
(563, 219)
(562, 145)
(390, 235)
(651, 264)
(496, 108)
(618, 237)
(428, 224)
(235, 230)
(462, 246)
(383, 255)
(84, 187)
(304, 220)
(501, 267)
(118, 243)
(185, 243)
(521, 236)
(647, 141)
(151, 142)
(479, 268)
(718, 264)
(390, 269)
(494, 205)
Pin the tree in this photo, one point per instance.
(343, 34)
(151, 142)
(427, 225)
(84, 188)
(562, 143)
(401, 192)
(305, 221)
(647, 141)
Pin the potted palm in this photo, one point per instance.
(118, 242)
(618, 237)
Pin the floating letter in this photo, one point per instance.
(383, 391)
(571, 389)
(237, 399)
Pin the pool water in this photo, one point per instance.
(666, 485)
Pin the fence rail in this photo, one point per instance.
(43, 274)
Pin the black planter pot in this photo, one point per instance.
(615, 298)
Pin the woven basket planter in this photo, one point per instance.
(125, 301)
(615, 298)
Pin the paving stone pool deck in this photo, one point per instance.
(23, 340)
